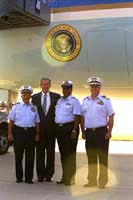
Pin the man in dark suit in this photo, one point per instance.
(45, 149)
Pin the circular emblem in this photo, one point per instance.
(63, 42)
(33, 109)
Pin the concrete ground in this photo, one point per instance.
(120, 186)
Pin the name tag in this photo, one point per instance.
(68, 104)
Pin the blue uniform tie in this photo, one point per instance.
(44, 103)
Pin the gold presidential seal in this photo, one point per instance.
(63, 42)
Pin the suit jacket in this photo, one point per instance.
(48, 120)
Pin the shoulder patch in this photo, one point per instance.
(33, 108)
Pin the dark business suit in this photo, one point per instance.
(45, 149)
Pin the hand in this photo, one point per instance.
(37, 138)
(83, 135)
(108, 135)
(74, 134)
(10, 138)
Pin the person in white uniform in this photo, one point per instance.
(96, 125)
(23, 131)
(67, 118)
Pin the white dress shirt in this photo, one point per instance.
(96, 112)
(24, 115)
(66, 109)
(48, 101)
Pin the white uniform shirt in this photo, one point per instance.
(24, 115)
(66, 109)
(96, 112)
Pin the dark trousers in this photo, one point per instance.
(97, 153)
(45, 155)
(24, 143)
(67, 148)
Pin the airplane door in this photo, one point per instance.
(107, 56)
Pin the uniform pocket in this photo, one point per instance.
(68, 108)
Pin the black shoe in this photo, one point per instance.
(69, 183)
(19, 181)
(90, 184)
(29, 181)
(60, 182)
(101, 186)
(48, 180)
(40, 180)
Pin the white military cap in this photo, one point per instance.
(67, 83)
(26, 89)
(95, 81)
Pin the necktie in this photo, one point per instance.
(44, 103)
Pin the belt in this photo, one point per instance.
(95, 129)
(64, 124)
(24, 128)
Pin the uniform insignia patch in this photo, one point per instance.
(85, 110)
(33, 109)
(100, 102)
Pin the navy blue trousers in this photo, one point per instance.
(67, 148)
(97, 154)
(24, 143)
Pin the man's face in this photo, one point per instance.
(66, 91)
(26, 97)
(95, 89)
(45, 85)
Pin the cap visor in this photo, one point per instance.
(26, 91)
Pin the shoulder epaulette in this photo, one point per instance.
(105, 97)
(13, 105)
(86, 98)
(74, 97)
(17, 103)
